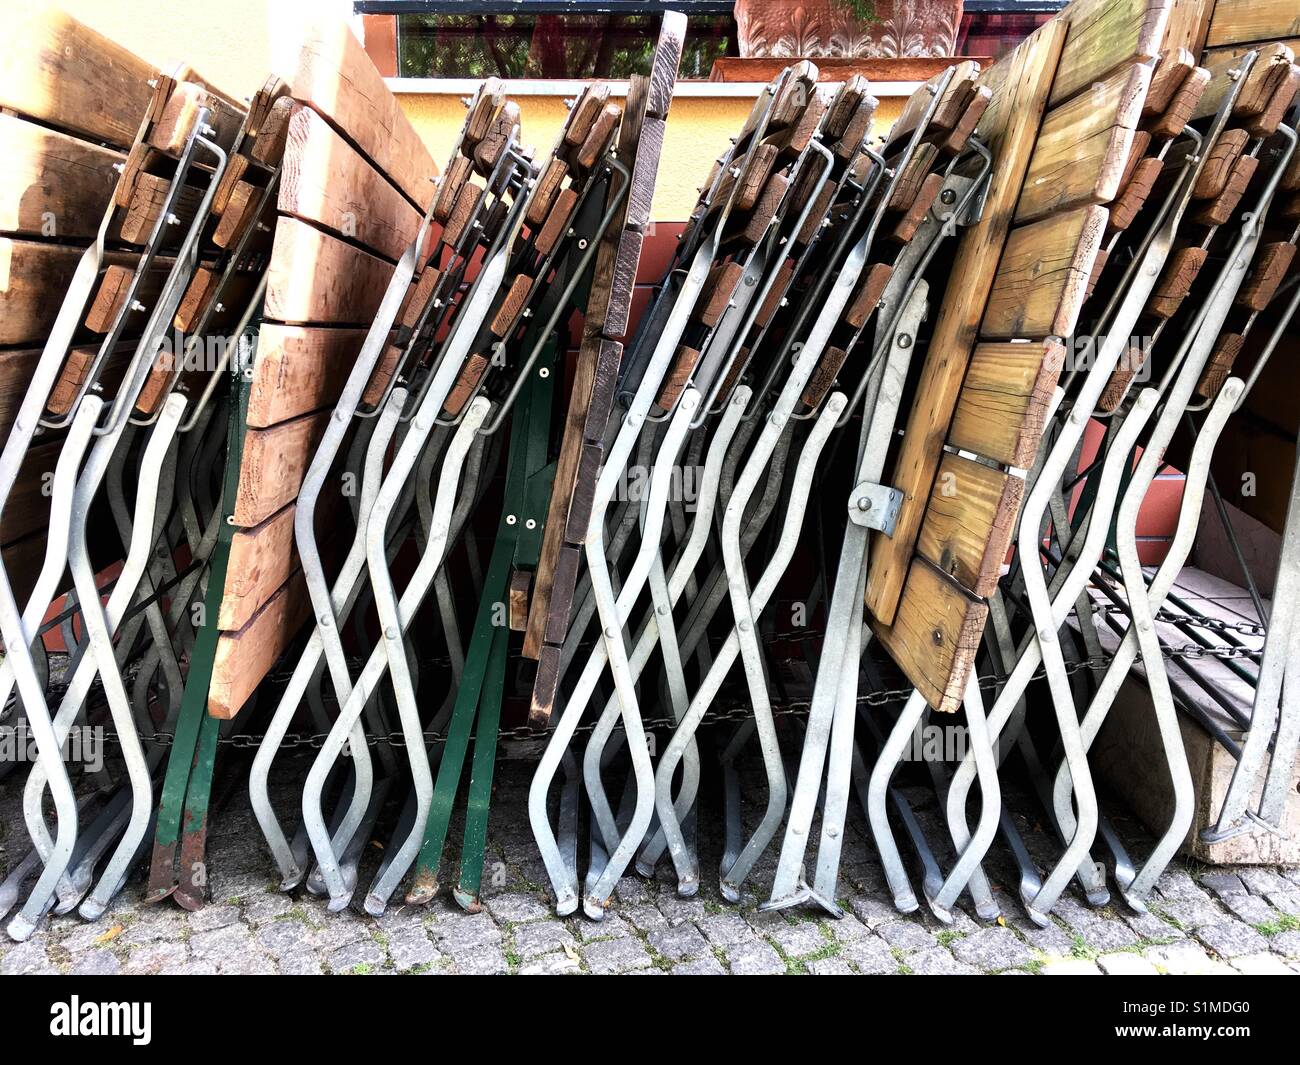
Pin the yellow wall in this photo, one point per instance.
(698, 129)
(237, 43)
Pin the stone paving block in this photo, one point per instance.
(211, 917)
(1260, 880)
(1262, 965)
(541, 937)
(1152, 926)
(829, 967)
(1051, 940)
(906, 936)
(753, 959)
(153, 957)
(678, 910)
(848, 928)
(679, 943)
(1070, 967)
(1109, 935)
(1286, 944)
(1125, 963)
(412, 946)
(645, 917)
(364, 954)
(799, 939)
(614, 926)
(1180, 959)
(1177, 883)
(516, 908)
(267, 906)
(300, 962)
(464, 932)
(96, 963)
(1250, 908)
(707, 966)
(991, 949)
(221, 943)
(937, 962)
(617, 956)
(555, 964)
(872, 911)
(871, 955)
(1223, 884)
(726, 929)
(1231, 939)
(486, 959)
(1192, 914)
(1287, 902)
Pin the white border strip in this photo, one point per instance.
(564, 87)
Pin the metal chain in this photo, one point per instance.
(737, 713)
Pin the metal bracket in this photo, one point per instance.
(875, 506)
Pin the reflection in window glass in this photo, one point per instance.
(551, 45)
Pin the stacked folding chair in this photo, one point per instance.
(302, 495)
(122, 424)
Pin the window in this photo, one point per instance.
(579, 39)
(994, 27)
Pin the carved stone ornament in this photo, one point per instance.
(787, 29)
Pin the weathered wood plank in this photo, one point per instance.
(273, 465)
(935, 635)
(52, 184)
(324, 180)
(243, 658)
(1243, 21)
(299, 369)
(65, 74)
(1021, 85)
(1043, 276)
(31, 271)
(336, 77)
(261, 560)
(1002, 409)
(1083, 146)
(314, 277)
(969, 522)
(1103, 34)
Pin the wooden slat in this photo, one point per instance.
(274, 463)
(110, 296)
(1002, 409)
(1272, 67)
(337, 78)
(935, 635)
(324, 180)
(16, 368)
(52, 184)
(173, 127)
(65, 74)
(1267, 271)
(1043, 275)
(261, 560)
(1021, 84)
(1242, 21)
(148, 197)
(1083, 146)
(28, 506)
(640, 143)
(243, 658)
(299, 369)
(1176, 281)
(271, 140)
(1221, 158)
(969, 522)
(29, 272)
(314, 277)
(1104, 34)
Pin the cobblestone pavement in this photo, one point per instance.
(1201, 920)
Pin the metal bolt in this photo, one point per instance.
(511, 519)
(864, 504)
(173, 220)
(136, 305)
(948, 196)
(531, 523)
